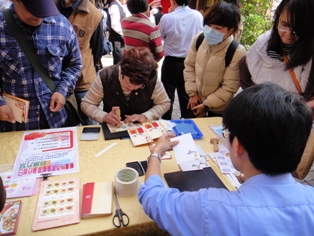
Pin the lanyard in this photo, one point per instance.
(294, 78)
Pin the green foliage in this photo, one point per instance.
(257, 20)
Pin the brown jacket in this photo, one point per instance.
(85, 19)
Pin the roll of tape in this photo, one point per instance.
(126, 182)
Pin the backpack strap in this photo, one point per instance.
(230, 52)
(199, 40)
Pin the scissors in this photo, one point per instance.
(120, 218)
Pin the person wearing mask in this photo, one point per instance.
(177, 28)
(209, 82)
(131, 87)
(53, 40)
(262, 125)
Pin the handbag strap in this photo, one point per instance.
(26, 48)
(294, 78)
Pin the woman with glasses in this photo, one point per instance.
(130, 91)
(284, 54)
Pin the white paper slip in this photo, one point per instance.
(105, 150)
(187, 154)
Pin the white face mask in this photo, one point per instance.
(212, 36)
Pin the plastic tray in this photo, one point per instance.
(196, 133)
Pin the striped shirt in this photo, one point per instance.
(55, 43)
(139, 31)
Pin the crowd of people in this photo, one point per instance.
(203, 60)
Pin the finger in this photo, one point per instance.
(10, 117)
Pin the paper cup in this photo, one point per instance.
(126, 182)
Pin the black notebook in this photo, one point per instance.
(118, 135)
(194, 180)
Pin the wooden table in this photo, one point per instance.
(100, 169)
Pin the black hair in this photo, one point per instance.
(183, 2)
(273, 126)
(300, 14)
(224, 14)
(139, 65)
(137, 6)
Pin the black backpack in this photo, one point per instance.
(230, 51)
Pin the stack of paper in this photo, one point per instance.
(188, 154)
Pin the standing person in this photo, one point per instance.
(286, 51)
(262, 125)
(117, 11)
(139, 31)
(53, 39)
(177, 29)
(209, 82)
(87, 22)
(131, 86)
(158, 14)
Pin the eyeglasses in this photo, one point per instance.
(225, 133)
(285, 29)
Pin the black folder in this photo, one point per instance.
(118, 135)
(194, 180)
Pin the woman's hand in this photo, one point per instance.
(112, 117)
(199, 110)
(194, 101)
(136, 117)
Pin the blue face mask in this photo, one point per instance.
(212, 36)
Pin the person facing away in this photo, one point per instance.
(131, 87)
(87, 22)
(267, 129)
(209, 84)
(139, 31)
(177, 28)
(53, 39)
(117, 11)
(286, 51)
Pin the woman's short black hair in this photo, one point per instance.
(137, 6)
(224, 14)
(139, 65)
(272, 125)
(300, 14)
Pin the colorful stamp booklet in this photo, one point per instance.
(58, 204)
(9, 217)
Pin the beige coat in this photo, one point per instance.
(205, 73)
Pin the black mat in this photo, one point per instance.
(118, 135)
(194, 180)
